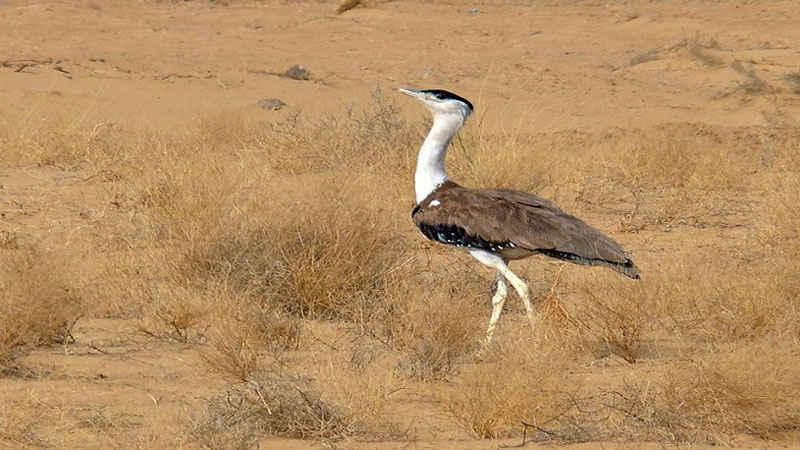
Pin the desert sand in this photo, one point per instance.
(583, 73)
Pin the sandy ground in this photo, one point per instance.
(539, 66)
(527, 66)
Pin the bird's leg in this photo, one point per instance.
(498, 300)
(497, 262)
(522, 289)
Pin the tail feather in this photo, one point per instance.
(627, 268)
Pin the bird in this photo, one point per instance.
(497, 226)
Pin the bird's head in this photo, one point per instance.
(441, 103)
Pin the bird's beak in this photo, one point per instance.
(412, 92)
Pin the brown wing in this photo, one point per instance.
(515, 224)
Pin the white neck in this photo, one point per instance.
(430, 172)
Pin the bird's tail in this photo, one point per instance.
(627, 268)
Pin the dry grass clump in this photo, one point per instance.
(480, 160)
(365, 393)
(779, 231)
(752, 389)
(269, 406)
(793, 79)
(645, 56)
(247, 335)
(323, 261)
(676, 156)
(175, 312)
(18, 425)
(377, 137)
(721, 299)
(618, 322)
(436, 324)
(712, 399)
(65, 140)
(519, 384)
(38, 305)
(321, 249)
(737, 302)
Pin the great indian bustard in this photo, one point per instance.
(497, 225)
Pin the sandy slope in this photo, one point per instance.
(528, 66)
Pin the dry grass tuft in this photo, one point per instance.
(480, 160)
(377, 137)
(779, 213)
(753, 84)
(38, 306)
(65, 140)
(745, 390)
(617, 321)
(322, 261)
(175, 312)
(267, 406)
(323, 249)
(18, 428)
(751, 389)
(493, 399)
(365, 394)
(246, 336)
(793, 79)
(436, 324)
(645, 56)
(721, 299)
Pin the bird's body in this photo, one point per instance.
(497, 225)
(514, 225)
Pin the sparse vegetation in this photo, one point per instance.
(38, 304)
(793, 79)
(237, 276)
(244, 279)
(269, 407)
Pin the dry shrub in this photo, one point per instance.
(269, 406)
(645, 56)
(321, 249)
(376, 137)
(558, 327)
(18, 422)
(616, 319)
(175, 312)
(752, 389)
(677, 156)
(780, 215)
(64, 139)
(38, 306)
(435, 324)
(793, 80)
(364, 394)
(737, 302)
(724, 296)
(323, 261)
(748, 389)
(247, 335)
(518, 385)
(481, 160)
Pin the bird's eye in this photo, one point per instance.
(439, 96)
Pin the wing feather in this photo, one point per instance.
(501, 216)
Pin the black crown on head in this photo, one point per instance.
(447, 95)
